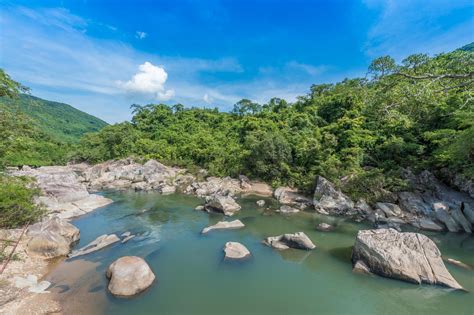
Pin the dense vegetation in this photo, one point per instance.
(17, 194)
(417, 114)
(60, 121)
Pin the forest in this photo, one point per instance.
(362, 132)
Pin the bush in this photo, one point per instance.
(17, 205)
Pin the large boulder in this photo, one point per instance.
(441, 211)
(224, 225)
(129, 275)
(52, 238)
(390, 209)
(235, 250)
(327, 199)
(410, 257)
(297, 240)
(224, 204)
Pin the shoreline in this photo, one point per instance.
(67, 195)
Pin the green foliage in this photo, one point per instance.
(17, 206)
(9, 87)
(60, 121)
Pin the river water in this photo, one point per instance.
(193, 278)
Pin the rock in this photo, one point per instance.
(390, 209)
(168, 189)
(459, 264)
(288, 210)
(260, 203)
(410, 257)
(468, 212)
(289, 196)
(234, 250)
(224, 225)
(413, 203)
(97, 244)
(459, 217)
(199, 208)
(224, 204)
(52, 238)
(297, 240)
(129, 275)
(258, 189)
(361, 267)
(363, 206)
(126, 234)
(31, 282)
(442, 214)
(426, 224)
(330, 200)
(127, 238)
(324, 227)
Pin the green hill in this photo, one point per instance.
(61, 121)
(468, 47)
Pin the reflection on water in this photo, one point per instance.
(193, 278)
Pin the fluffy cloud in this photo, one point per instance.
(141, 35)
(149, 80)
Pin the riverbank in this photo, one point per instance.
(68, 193)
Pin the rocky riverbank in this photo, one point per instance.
(68, 192)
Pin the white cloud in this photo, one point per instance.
(208, 99)
(149, 80)
(141, 35)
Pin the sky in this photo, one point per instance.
(102, 56)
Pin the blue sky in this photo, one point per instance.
(102, 56)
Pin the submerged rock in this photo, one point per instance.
(324, 227)
(235, 250)
(224, 204)
(52, 238)
(97, 244)
(260, 203)
(129, 275)
(459, 264)
(410, 257)
(297, 240)
(224, 225)
(288, 210)
(327, 199)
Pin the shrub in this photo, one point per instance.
(17, 205)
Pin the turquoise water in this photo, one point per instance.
(193, 278)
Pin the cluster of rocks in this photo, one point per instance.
(431, 206)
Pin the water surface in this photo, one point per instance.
(193, 278)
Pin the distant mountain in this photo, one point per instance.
(61, 121)
(468, 47)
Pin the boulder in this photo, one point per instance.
(468, 212)
(390, 209)
(224, 204)
(288, 210)
(410, 257)
(459, 217)
(224, 225)
(260, 203)
(413, 203)
(97, 244)
(52, 238)
(324, 227)
(426, 224)
(290, 196)
(330, 200)
(363, 207)
(297, 240)
(129, 275)
(258, 189)
(234, 250)
(442, 214)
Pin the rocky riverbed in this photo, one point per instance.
(69, 192)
